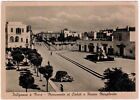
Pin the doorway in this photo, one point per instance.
(85, 48)
(79, 47)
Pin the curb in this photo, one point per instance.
(54, 86)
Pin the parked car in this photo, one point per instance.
(94, 57)
(67, 78)
(62, 76)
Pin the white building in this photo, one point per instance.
(118, 42)
(123, 44)
(17, 35)
(72, 33)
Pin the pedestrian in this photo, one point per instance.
(61, 88)
(51, 52)
(48, 63)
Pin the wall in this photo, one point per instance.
(84, 43)
(24, 34)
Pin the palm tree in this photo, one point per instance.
(33, 61)
(47, 72)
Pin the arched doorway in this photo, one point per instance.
(85, 48)
(91, 47)
(121, 49)
(110, 51)
(79, 47)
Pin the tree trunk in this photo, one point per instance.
(47, 86)
(17, 65)
(31, 65)
(37, 71)
(34, 69)
(40, 78)
(26, 58)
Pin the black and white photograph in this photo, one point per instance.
(70, 47)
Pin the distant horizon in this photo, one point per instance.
(74, 30)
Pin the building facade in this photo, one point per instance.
(71, 33)
(94, 46)
(103, 35)
(49, 35)
(17, 35)
(123, 45)
(113, 42)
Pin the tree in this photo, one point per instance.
(47, 72)
(31, 55)
(61, 38)
(36, 60)
(18, 57)
(9, 65)
(26, 80)
(52, 39)
(25, 51)
(117, 80)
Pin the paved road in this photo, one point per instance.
(127, 65)
(83, 81)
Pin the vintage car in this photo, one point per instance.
(62, 76)
(95, 57)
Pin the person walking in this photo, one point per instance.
(51, 52)
(61, 88)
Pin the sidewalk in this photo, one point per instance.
(12, 82)
(42, 84)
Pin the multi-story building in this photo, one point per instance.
(88, 35)
(123, 45)
(71, 33)
(103, 35)
(116, 42)
(94, 46)
(17, 35)
(48, 35)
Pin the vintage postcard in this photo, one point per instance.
(66, 50)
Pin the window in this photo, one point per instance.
(18, 30)
(26, 40)
(131, 51)
(16, 39)
(21, 39)
(11, 29)
(11, 39)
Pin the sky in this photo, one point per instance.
(75, 18)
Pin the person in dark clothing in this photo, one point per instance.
(51, 52)
(61, 88)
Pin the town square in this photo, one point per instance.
(57, 49)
